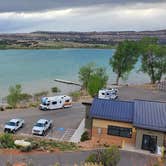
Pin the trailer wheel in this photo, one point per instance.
(43, 133)
(45, 109)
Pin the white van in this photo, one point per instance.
(108, 94)
(55, 102)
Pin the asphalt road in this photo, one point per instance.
(71, 158)
(131, 93)
(64, 120)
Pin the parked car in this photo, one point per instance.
(55, 102)
(41, 127)
(13, 125)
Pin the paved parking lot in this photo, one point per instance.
(65, 121)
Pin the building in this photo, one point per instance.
(139, 122)
(150, 122)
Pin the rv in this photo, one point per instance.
(55, 102)
(108, 94)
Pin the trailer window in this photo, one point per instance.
(54, 102)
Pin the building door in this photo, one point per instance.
(149, 143)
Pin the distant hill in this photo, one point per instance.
(109, 37)
(40, 38)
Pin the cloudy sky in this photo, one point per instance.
(81, 15)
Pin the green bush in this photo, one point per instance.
(91, 158)
(50, 144)
(85, 136)
(107, 157)
(7, 141)
(14, 95)
(55, 89)
(2, 108)
(95, 84)
(34, 105)
(26, 149)
(37, 96)
(25, 97)
(75, 95)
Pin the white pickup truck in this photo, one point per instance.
(13, 125)
(41, 127)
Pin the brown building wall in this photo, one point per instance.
(99, 132)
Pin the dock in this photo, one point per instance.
(67, 82)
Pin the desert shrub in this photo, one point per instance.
(55, 89)
(37, 96)
(8, 164)
(14, 95)
(25, 97)
(35, 145)
(92, 158)
(33, 105)
(75, 95)
(85, 136)
(26, 149)
(7, 141)
(2, 108)
(107, 157)
(9, 107)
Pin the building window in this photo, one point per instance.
(119, 131)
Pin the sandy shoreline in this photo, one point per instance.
(39, 86)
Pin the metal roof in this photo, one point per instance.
(150, 115)
(112, 110)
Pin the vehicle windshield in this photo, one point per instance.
(39, 125)
(10, 123)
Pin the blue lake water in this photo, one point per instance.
(36, 69)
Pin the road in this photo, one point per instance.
(71, 158)
(65, 121)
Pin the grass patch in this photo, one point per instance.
(75, 95)
(7, 141)
(51, 144)
(55, 89)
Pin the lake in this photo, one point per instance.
(35, 70)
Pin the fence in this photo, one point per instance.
(162, 86)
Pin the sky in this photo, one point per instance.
(18, 16)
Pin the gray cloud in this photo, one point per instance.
(70, 15)
(38, 5)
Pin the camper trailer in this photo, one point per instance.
(108, 94)
(55, 102)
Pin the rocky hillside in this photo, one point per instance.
(110, 38)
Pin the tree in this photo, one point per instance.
(107, 157)
(85, 72)
(153, 58)
(14, 95)
(95, 84)
(90, 72)
(124, 59)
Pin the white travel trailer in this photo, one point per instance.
(55, 102)
(108, 94)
